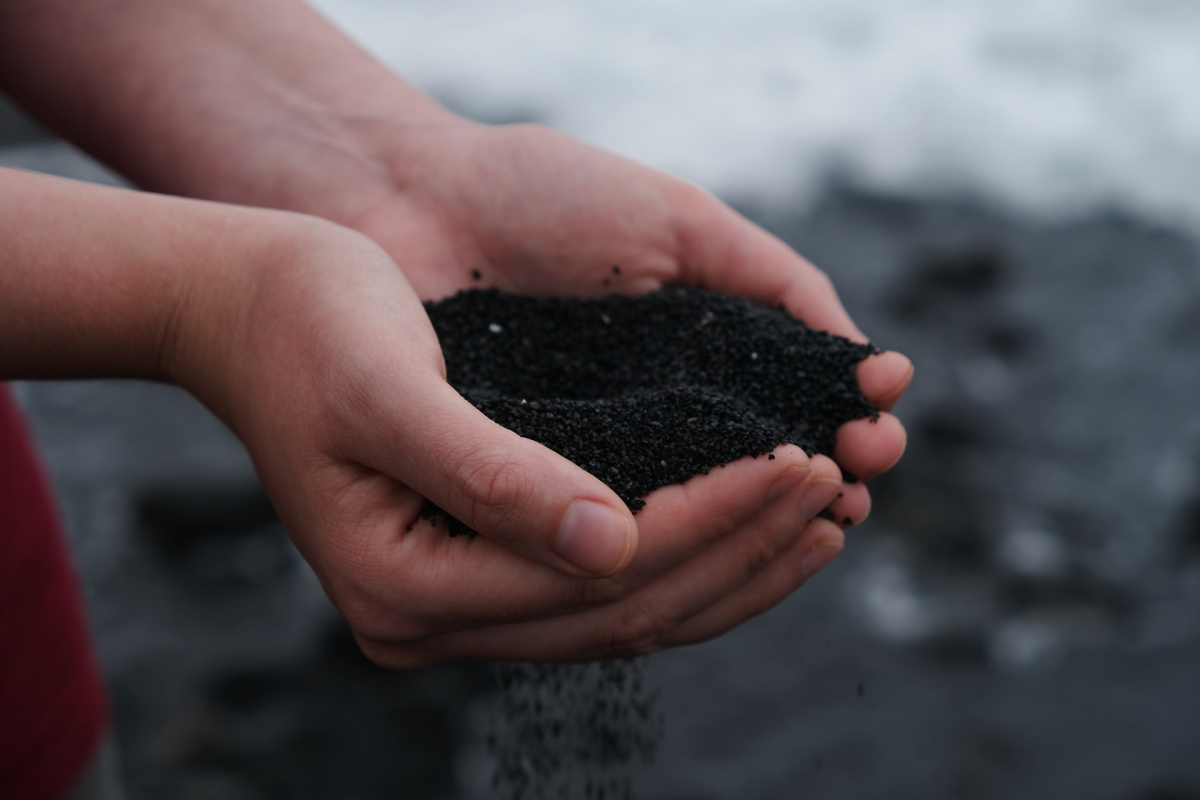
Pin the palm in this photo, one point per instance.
(527, 214)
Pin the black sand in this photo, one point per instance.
(651, 390)
(572, 730)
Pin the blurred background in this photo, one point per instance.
(1007, 192)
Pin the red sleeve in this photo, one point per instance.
(53, 703)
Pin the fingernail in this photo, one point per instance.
(594, 537)
(820, 556)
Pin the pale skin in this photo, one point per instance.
(299, 324)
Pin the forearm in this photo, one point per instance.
(97, 281)
(259, 103)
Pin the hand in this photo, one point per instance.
(532, 211)
(321, 358)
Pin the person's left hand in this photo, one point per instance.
(529, 210)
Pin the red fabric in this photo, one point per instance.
(53, 704)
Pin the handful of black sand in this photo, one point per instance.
(641, 392)
(651, 390)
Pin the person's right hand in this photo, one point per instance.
(323, 361)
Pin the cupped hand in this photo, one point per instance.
(530, 210)
(323, 361)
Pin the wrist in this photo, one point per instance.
(103, 282)
(262, 310)
(220, 290)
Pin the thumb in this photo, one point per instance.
(513, 490)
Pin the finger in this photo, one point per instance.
(509, 489)
(639, 624)
(852, 505)
(883, 378)
(723, 251)
(867, 448)
(810, 553)
(446, 583)
(680, 520)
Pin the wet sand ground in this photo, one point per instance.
(1019, 618)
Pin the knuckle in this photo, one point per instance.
(493, 487)
(760, 553)
(639, 632)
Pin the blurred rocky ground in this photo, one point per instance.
(1020, 617)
